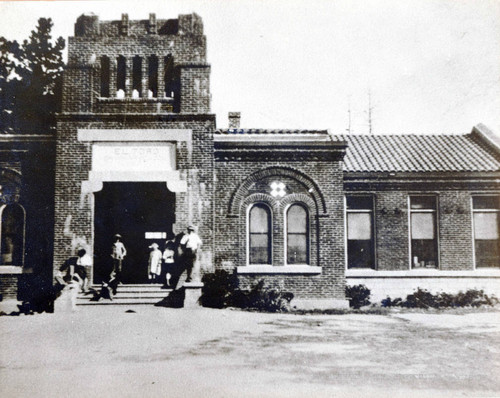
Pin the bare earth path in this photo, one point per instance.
(162, 352)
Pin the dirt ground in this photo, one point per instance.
(164, 352)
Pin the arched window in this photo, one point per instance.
(297, 235)
(259, 230)
(12, 234)
(105, 68)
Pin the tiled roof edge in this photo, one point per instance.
(270, 131)
(487, 137)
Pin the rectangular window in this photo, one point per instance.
(137, 77)
(423, 231)
(105, 71)
(360, 242)
(486, 211)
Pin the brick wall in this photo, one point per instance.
(94, 39)
(182, 39)
(454, 217)
(326, 222)
(391, 226)
(74, 211)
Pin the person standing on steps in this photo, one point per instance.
(118, 253)
(154, 265)
(169, 260)
(190, 244)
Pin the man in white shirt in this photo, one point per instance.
(190, 244)
(118, 253)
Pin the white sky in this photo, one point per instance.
(432, 66)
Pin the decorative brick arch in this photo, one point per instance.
(300, 198)
(240, 194)
(259, 198)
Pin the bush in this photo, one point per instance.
(221, 290)
(218, 289)
(265, 299)
(422, 298)
(357, 295)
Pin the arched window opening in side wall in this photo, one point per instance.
(169, 76)
(12, 231)
(259, 231)
(136, 77)
(153, 76)
(297, 235)
(105, 71)
(121, 76)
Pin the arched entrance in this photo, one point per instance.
(143, 213)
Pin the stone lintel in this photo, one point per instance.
(142, 135)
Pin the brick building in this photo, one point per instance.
(138, 153)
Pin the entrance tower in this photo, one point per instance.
(134, 139)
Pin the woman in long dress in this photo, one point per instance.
(154, 266)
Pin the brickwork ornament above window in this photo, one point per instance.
(278, 189)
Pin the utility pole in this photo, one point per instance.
(349, 116)
(370, 110)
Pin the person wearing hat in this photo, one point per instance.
(154, 265)
(118, 253)
(169, 260)
(190, 244)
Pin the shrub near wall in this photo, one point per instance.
(221, 290)
(358, 296)
(424, 299)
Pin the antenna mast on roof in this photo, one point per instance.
(349, 116)
(370, 109)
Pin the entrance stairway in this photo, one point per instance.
(126, 294)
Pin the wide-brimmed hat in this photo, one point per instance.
(118, 236)
(154, 246)
(191, 228)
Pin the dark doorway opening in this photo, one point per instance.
(143, 213)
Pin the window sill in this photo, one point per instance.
(423, 273)
(14, 269)
(284, 269)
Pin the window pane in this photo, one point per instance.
(297, 249)
(360, 254)
(423, 202)
(486, 226)
(260, 252)
(259, 219)
(424, 253)
(12, 235)
(422, 226)
(487, 253)
(260, 238)
(359, 202)
(297, 219)
(359, 226)
(486, 202)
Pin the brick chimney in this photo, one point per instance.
(234, 120)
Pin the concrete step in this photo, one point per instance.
(127, 294)
(118, 301)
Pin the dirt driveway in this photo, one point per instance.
(162, 352)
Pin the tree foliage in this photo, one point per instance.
(30, 81)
